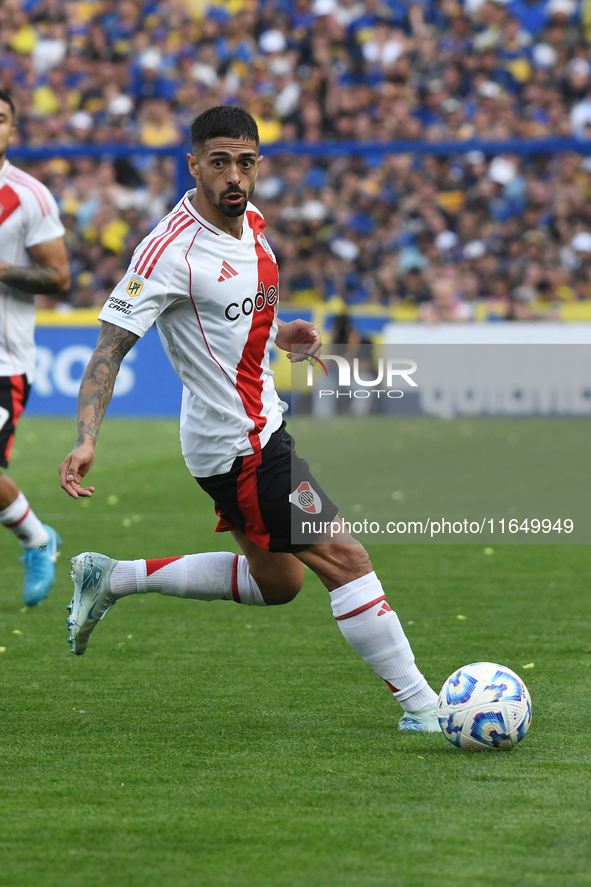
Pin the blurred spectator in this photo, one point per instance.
(447, 303)
(436, 233)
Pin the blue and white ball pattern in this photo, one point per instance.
(484, 705)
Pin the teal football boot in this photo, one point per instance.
(39, 565)
(92, 599)
(423, 721)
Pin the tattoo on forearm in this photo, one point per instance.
(44, 281)
(98, 381)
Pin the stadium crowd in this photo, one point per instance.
(437, 233)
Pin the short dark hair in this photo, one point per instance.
(6, 97)
(223, 120)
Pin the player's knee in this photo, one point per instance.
(273, 597)
(282, 592)
(279, 576)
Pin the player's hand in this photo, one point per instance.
(74, 467)
(300, 339)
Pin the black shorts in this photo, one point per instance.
(14, 393)
(265, 495)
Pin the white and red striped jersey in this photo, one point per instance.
(28, 216)
(214, 301)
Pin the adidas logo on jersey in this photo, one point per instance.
(227, 272)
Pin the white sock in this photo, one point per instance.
(24, 523)
(375, 632)
(212, 576)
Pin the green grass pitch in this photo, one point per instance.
(212, 745)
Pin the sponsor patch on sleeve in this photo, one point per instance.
(119, 305)
(134, 287)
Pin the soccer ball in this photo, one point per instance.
(484, 705)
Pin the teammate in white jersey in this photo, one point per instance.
(32, 260)
(208, 278)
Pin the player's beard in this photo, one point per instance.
(231, 212)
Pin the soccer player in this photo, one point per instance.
(208, 278)
(32, 260)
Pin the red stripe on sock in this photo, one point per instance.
(361, 609)
(20, 520)
(392, 687)
(158, 563)
(235, 592)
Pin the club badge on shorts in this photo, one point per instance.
(306, 498)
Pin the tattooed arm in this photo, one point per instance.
(51, 275)
(98, 381)
(94, 397)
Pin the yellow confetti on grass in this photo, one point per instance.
(2, 649)
(529, 665)
(489, 551)
(16, 631)
(462, 618)
(112, 500)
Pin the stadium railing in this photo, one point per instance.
(183, 180)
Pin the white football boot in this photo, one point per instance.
(92, 596)
(423, 721)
